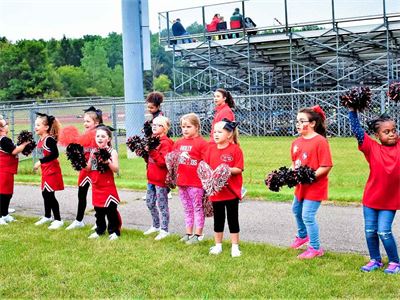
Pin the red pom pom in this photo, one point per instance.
(68, 135)
(88, 139)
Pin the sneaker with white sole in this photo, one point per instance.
(56, 224)
(215, 250)
(43, 220)
(162, 235)
(94, 235)
(9, 219)
(195, 239)
(151, 230)
(11, 210)
(113, 236)
(75, 224)
(94, 227)
(186, 237)
(235, 252)
(3, 222)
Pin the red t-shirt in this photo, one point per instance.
(233, 157)
(187, 168)
(221, 112)
(382, 190)
(314, 153)
(156, 167)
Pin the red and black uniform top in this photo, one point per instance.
(8, 165)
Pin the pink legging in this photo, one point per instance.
(192, 201)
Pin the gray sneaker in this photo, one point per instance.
(185, 238)
(193, 240)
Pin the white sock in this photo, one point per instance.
(235, 246)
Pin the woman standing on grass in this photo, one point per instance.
(381, 196)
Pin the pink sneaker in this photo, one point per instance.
(311, 253)
(298, 242)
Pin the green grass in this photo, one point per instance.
(262, 155)
(38, 263)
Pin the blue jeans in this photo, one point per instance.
(304, 212)
(378, 225)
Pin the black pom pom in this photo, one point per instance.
(147, 130)
(102, 156)
(305, 175)
(142, 146)
(276, 179)
(153, 142)
(26, 136)
(358, 98)
(75, 154)
(394, 91)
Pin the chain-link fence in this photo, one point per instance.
(258, 115)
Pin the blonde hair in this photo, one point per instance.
(164, 121)
(94, 116)
(193, 119)
(54, 129)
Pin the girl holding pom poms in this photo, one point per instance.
(91, 119)
(103, 163)
(8, 167)
(226, 151)
(310, 149)
(381, 196)
(47, 128)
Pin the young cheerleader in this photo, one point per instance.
(224, 104)
(311, 149)
(8, 167)
(153, 105)
(192, 148)
(91, 119)
(105, 197)
(381, 196)
(157, 191)
(226, 151)
(47, 128)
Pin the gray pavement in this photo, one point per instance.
(341, 227)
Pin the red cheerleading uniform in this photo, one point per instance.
(104, 190)
(8, 166)
(88, 142)
(52, 179)
(382, 190)
(221, 112)
(156, 167)
(187, 168)
(313, 153)
(233, 157)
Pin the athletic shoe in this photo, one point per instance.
(113, 236)
(215, 250)
(44, 220)
(169, 195)
(56, 224)
(195, 239)
(9, 218)
(94, 227)
(311, 253)
(75, 224)
(298, 242)
(372, 265)
(144, 197)
(3, 222)
(151, 230)
(11, 210)
(94, 235)
(185, 238)
(235, 252)
(393, 268)
(162, 235)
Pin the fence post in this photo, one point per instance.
(114, 125)
(32, 123)
(12, 119)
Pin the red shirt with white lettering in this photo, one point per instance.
(233, 157)
(382, 190)
(314, 153)
(221, 112)
(192, 152)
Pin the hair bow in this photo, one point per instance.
(230, 125)
(50, 119)
(319, 111)
(99, 112)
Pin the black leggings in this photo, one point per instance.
(114, 221)
(4, 204)
(51, 204)
(232, 212)
(82, 202)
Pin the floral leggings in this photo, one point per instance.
(158, 195)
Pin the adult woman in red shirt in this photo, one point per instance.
(224, 104)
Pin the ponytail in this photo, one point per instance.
(228, 97)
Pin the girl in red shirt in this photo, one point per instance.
(381, 196)
(47, 128)
(310, 149)
(224, 104)
(226, 151)
(8, 167)
(157, 190)
(192, 148)
(105, 197)
(91, 119)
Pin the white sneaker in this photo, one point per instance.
(9, 218)
(162, 235)
(11, 210)
(75, 224)
(3, 222)
(56, 224)
(94, 227)
(235, 252)
(43, 220)
(94, 235)
(151, 230)
(169, 195)
(113, 237)
(215, 250)
(144, 197)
